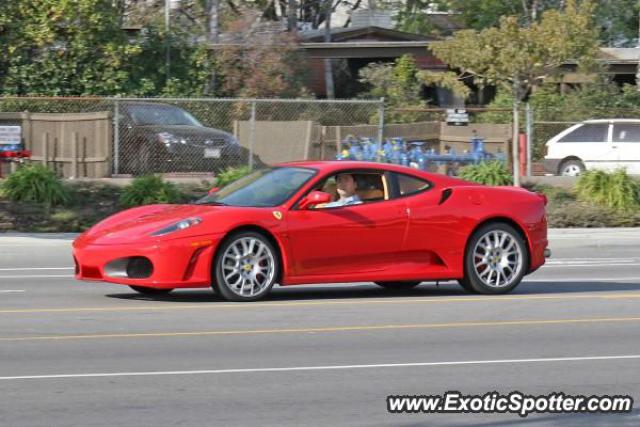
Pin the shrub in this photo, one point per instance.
(35, 183)
(231, 174)
(146, 190)
(554, 194)
(615, 190)
(488, 173)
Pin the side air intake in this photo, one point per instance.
(446, 193)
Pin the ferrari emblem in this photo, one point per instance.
(277, 215)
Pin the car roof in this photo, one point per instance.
(337, 165)
(612, 121)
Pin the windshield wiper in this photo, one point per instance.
(212, 203)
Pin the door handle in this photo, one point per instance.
(614, 146)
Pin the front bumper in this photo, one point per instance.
(179, 263)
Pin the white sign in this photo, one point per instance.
(457, 116)
(10, 135)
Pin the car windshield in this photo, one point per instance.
(149, 114)
(262, 188)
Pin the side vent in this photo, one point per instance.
(446, 193)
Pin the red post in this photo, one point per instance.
(523, 153)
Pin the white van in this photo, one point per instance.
(606, 144)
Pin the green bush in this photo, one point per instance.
(615, 190)
(35, 183)
(488, 173)
(554, 194)
(150, 189)
(231, 174)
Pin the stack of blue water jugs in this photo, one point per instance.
(398, 151)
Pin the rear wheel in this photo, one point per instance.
(398, 285)
(246, 267)
(144, 290)
(496, 260)
(572, 168)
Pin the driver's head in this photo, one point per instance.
(346, 184)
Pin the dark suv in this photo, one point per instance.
(156, 137)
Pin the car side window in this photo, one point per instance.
(408, 185)
(370, 187)
(588, 132)
(626, 132)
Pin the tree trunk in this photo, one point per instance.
(212, 39)
(292, 15)
(328, 71)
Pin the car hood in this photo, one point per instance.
(136, 225)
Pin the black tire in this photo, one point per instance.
(473, 282)
(143, 163)
(226, 290)
(575, 166)
(398, 286)
(144, 290)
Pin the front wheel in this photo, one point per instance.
(495, 261)
(399, 286)
(144, 290)
(246, 267)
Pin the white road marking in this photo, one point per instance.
(320, 368)
(10, 291)
(590, 260)
(584, 279)
(69, 276)
(576, 265)
(36, 268)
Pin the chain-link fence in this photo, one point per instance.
(182, 135)
(98, 136)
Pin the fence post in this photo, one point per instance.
(116, 137)
(252, 133)
(516, 146)
(381, 121)
(529, 118)
(74, 155)
(45, 149)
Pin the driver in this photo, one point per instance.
(346, 186)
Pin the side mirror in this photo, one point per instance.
(314, 198)
(214, 190)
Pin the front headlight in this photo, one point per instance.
(180, 225)
(168, 138)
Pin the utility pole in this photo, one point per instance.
(638, 48)
(167, 16)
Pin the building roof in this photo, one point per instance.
(369, 33)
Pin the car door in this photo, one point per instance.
(346, 240)
(626, 143)
(434, 235)
(590, 142)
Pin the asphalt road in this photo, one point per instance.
(82, 354)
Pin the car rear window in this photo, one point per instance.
(410, 184)
(626, 132)
(588, 132)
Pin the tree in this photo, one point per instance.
(398, 83)
(259, 65)
(517, 58)
(617, 19)
(64, 48)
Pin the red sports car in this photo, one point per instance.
(293, 224)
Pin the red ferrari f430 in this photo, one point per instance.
(323, 222)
